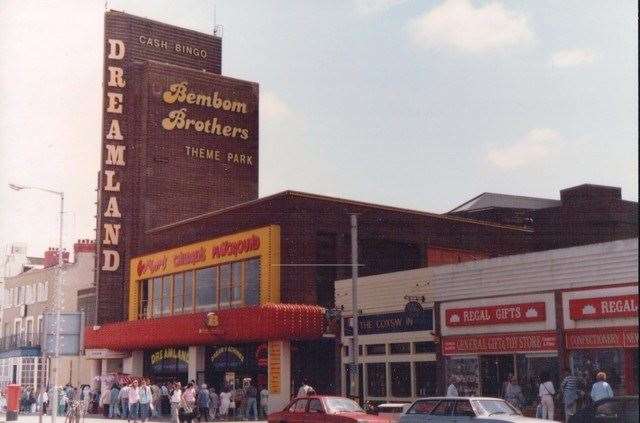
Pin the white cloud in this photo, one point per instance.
(460, 25)
(370, 7)
(572, 57)
(536, 145)
(273, 108)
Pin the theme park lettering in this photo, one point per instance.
(233, 248)
(115, 155)
(177, 119)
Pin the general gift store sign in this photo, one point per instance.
(509, 342)
(602, 338)
(496, 314)
(604, 307)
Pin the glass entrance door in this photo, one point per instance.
(494, 370)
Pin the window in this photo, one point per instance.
(205, 288)
(178, 293)
(315, 406)
(423, 407)
(425, 378)
(143, 301)
(400, 379)
(424, 347)
(442, 409)
(188, 292)
(376, 349)
(166, 294)
(157, 296)
(377, 379)
(252, 282)
(463, 409)
(236, 280)
(225, 285)
(300, 406)
(403, 348)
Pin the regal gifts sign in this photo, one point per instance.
(496, 314)
(604, 307)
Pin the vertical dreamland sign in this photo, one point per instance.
(166, 157)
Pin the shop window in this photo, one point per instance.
(587, 363)
(400, 348)
(205, 288)
(425, 378)
(41, 371)
(376, 349)
(157, 296)
(377, 379)
(347, 349)
(464, 373)
(225, 285)
(188, 292)
(143, 301)
(400, 379)
(28, 371)
(178, 293)
(531, 369)
(236, 281)
(494, 372)
(166, 295)
(424, 347)
(252, 282)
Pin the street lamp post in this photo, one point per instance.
(355, 350)
(58, 295)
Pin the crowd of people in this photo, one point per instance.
(140, 400)
(573, 393)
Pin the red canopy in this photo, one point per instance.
(248, 324)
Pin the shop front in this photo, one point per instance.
(165, 365)
(601, 334)
(486, 341)
(231, 365)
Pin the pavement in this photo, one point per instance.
(34, 418)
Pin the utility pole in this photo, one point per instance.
(355, 379)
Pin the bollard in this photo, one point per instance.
(13, 402)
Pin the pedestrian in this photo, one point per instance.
(203, 400)
(570, 386)
(165, 400)
(225, 403)
(146, 404)
(452, 391)
(513, 393)
(155, 400)
(546, 392)
(251, 398)
(114, 408)
(124, 402)
(601, 389)
(304, 389)
(133, 400)
(240, 401)
(213, 403)
(176, 400)
(264, 402)
(43, 400)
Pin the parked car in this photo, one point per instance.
(463, 409)
(324, 409)
(392, 410)
(622, 409)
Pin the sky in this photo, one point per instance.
(415, 104)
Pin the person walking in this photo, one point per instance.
(165, 400)
(114, 402)
(213, 403)
(601, 389)
(264, 402)
(43, 400)
(225, 403)
(513, 393)
(124, 401)
(570, 386)
(146, 404)
(546, 391)
(175, 401)
(203, 400)
(251, 394)
(155, 400)
(133, 400)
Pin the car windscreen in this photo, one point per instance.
(423, 406)
(494, 407)
(341, 405)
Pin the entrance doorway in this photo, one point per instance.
(494, 370)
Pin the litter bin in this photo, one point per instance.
(13, 402)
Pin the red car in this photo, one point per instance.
(323, 409)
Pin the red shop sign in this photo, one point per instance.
(508, 342)
(496, 314)
(604, 307)
(602, 338)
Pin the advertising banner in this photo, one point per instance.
(391, 322)
(604, 307)
(602, 338)
(496, 314)
(499, 343)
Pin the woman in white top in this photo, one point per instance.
(176, 399)
(546, 393)
(225, 402)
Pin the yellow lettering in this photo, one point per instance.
(115, 155)
(110, 186)
(111, 260)
(114, 103)
(111, 234)
(116, 49)
(116, 77)
(114, 130)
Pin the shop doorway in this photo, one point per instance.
(494, 370)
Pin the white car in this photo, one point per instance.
(392, 410)
(463, 409)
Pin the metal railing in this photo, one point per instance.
(21, 340)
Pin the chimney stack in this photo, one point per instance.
(84, 246)
(51, 257)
